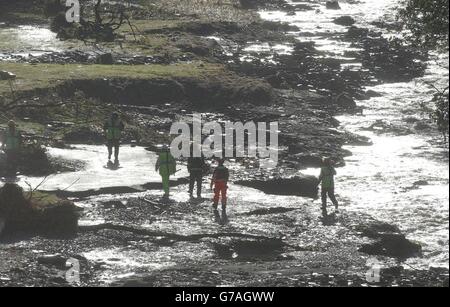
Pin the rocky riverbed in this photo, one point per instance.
(239, 64)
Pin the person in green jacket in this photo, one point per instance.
(326, 177)
(11, 145)
(113, 128)
(166, 166)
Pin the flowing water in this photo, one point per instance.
(24, 41)
(403, 179)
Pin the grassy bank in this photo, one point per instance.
(35, 76)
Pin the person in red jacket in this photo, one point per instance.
(220, 184)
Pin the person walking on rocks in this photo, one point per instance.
(196, 167)
(219, 182)
(166, 166)
(11, 145)
(113, 128)
(326, 177)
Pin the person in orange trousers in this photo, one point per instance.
(220, 183)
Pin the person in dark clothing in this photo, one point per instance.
(196, 166)
(326, 177)
(113, 130)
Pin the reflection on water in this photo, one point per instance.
(25, 40)
(384, 179)
(137, 168)
(401, 179)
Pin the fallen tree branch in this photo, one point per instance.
(173, 236)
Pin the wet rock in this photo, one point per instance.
(357, 140)
(345, 101)
(105, 59)
(388, 241)
(199, 46)
(372, 229)
(300, 186)
(392, 245)
(372, 94)
(421, 183)
(387, 59)
(345, 21)
(333, 5)
(382, 126)
(355, 32)
(268, 249)
(53, 260)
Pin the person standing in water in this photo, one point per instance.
(326, 177)
(113, 130)
(219, 182)
(166, 166)
(11, 145)
(196, 167)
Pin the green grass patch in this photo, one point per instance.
(33, 76)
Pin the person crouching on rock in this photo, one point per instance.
(326, 177)
(11, 145)
(113, 130)
(219, 181)
(166, 166)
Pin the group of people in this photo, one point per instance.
(166, 165)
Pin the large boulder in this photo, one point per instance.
(387, 241)
(344, 21)
(392, 245)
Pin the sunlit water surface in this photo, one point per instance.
(380, 179)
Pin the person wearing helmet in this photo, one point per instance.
(166, 166)
(326, 177)
(219, 182)
(11, 145)
(113, 128)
